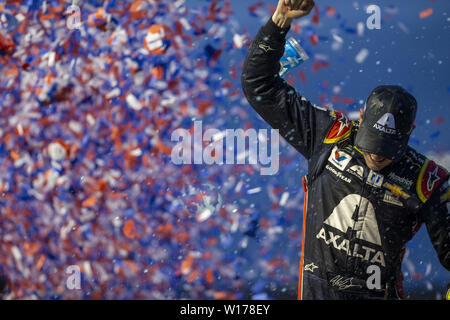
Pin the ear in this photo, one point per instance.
(361, 113)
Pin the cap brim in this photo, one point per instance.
(382, 144)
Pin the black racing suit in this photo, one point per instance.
(356, 222)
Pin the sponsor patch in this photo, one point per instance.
(415, 158)
(338, 174)
(397, 190)
(374, 179)
(391, 198)
(430, 177)
(401, 180)
(340, 129)
(386, 124)
(356, 171)
(339, 158)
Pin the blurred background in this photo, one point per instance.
(91, 92)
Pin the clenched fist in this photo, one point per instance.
(288, 10)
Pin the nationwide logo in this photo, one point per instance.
(365, 225)
(386, 124)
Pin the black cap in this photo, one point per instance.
(387, 122)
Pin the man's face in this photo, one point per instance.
(376, 162)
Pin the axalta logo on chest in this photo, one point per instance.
(353, 250)
(365, 225)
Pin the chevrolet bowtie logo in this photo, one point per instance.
(397, 190)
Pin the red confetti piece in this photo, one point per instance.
(291, 80)
(347, 100)
(302, 76)
(417, 276)
(426, 13)
(331, 11)
(7, 45)
(314, 39)
(129, 229)
(89, 202)
(439, 120)
(320, 65)
(315, 18)
(40, 262)
(209, 275)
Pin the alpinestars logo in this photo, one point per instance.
(366, 228)
(386, 124)
(432, 179)
(265, 47)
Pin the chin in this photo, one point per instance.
(376, 166)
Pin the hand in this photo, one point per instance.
(288, 10)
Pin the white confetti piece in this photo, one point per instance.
(136, 152)
(113, 93)
(254, 190)
(284, 198)
(360, 28)
(56, 151)
(362, 55)
(204, 215)
(133, 102)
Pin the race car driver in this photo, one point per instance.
(366, 191)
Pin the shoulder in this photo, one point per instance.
(341, 128)
(428, 174)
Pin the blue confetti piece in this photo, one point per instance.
(435, 134)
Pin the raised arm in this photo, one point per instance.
(298, 121)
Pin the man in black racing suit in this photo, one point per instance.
(366, 192)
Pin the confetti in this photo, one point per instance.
(85, 147)
(426, 13)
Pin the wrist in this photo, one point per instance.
(281, 20)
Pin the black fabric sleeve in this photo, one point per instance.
(436, 217)
(298, 121)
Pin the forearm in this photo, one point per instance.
(260, 80)
(274, 99)
(437, 219)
